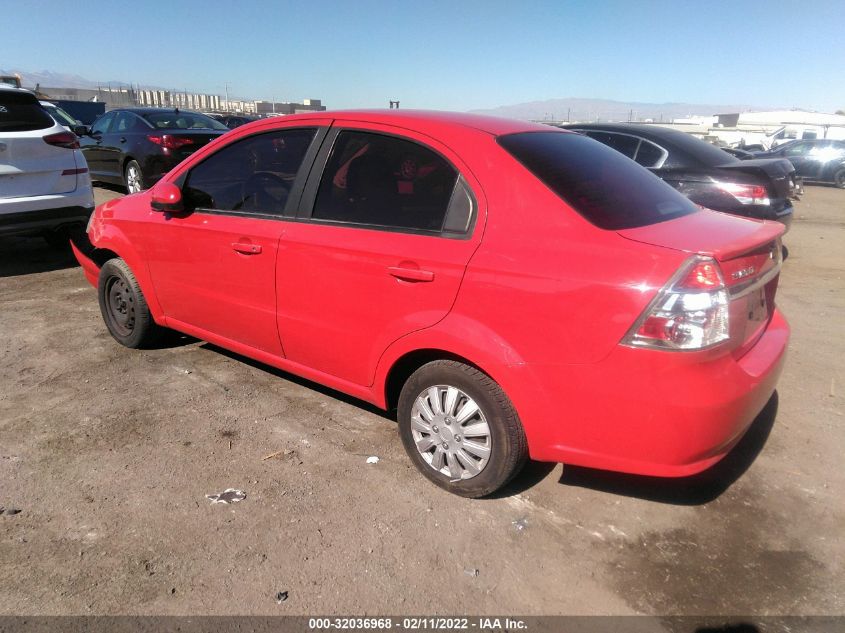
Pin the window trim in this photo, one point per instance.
(308, 199)
(295, 194)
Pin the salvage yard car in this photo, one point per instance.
(510, 290)
(820, 160)
(134, 147)
(702, 172)
(45, 188)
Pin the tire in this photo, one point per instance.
(133, 177)
(504, 441)
(839, 178)
(124, 307)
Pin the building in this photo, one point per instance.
(271, 107)
(128, 96)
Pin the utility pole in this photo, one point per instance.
(226, 87)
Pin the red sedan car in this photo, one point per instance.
(510, 289)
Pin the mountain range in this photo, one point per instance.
(575, 109)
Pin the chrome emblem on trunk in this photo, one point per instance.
(745, 272)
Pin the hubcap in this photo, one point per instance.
(451, 432)
(133, 179)
(121, 305)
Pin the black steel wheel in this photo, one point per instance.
(124, 307)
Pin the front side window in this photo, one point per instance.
(384, 181)
(253, 175)
(21, 112)
(798, 149)
(606, 188)
(101, 125)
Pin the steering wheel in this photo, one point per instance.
(266, 191)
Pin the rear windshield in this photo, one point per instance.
(21, 112)
(183, 121)
(607, 188)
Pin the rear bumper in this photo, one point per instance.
(40, 220)
(650, 412)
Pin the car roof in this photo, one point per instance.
(427, 119)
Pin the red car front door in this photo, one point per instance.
(214, 266)
(380, 251)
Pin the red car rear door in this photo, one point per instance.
(388, 222)
(214, 266)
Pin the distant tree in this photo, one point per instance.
(840, 112)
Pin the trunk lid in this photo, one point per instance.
(749, 255)
(778, 174)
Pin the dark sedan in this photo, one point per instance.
(135, 147)
(702, 172)
(817, 160)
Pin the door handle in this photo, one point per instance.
(122, 139)
(411, 274)
(246, 249)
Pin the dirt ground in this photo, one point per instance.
(109, 454)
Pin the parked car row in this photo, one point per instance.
(507, 288)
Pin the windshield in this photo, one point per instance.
(183, 121)
(607, 188)
(62, 117)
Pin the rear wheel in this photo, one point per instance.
(124, 307)
(839, 178)
(133, 178)
(460, 429)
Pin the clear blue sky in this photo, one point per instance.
(454, 55)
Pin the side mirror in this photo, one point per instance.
(81, 130)
(167, 198)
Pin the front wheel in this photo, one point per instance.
(839, 178)
(460, 429)
(133, 177)
(124, 307)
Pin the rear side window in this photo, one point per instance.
(377, 180)
(21, 112)
(601, 184)
(620, 142)
(649, 155)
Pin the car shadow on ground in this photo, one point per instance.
(27, 255)
(304, 382)
(695, 490)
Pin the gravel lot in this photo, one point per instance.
(109, 454)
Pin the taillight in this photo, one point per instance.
(68, 140)
(168, 141)
(745, 194)
(689, 313)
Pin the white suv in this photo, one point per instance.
(45, 187)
